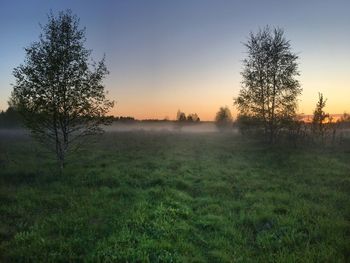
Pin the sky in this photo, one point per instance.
(187, 54)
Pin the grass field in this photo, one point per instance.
(175, 197)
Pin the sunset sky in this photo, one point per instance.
(169, 55)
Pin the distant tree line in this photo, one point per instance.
(190, 118)
(10, 118)
(124, 118)
(323, 129)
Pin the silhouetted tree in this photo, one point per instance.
(125, 119)
(345, 120)
(58, 91)
(223, 118)
(193, 117)
(344, 125)
(269, 88)
(181, 116)
(345, 117)
(9, 118)
(319, 117)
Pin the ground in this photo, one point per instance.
(175, 197)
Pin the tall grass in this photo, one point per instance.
(175, 197)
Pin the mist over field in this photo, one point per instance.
(202, 127)
(13, 132)
(157, 126)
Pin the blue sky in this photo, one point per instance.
(170, 55)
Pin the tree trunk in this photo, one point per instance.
(59, 150)
(273, 121)
(61, 165)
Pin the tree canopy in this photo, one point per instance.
(223, 118)
(59, 90)
(269, 91)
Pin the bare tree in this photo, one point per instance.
(269, 87)
(58, 90)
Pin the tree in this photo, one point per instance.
(319, 118)
(344, 120)
(9, 118)
(269, 88)
(344, 125)
(223, 118)
(58, 89)
(181, 116)
(193, 117)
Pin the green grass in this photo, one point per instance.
(162, 197)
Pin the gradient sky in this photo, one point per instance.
(169, 55)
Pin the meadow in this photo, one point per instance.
(162, 196)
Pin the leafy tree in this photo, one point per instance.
(223, 118)
(345, 117)
(181, 116)
(269, 88)
(58, 89)
(193, 117)
(9, 118)
(344, 125)
(345, 120)
(319, 117)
